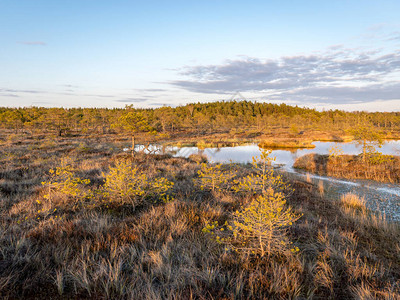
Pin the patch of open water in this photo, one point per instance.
(379, 196)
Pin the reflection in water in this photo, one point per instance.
(244, 154)
(379, 196)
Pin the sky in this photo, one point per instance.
(339, 54)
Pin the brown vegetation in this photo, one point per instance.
(285, 144)
(81, 246)
(378, 167)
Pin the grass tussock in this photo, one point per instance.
(93, 238)
(353, 201)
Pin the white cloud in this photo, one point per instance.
(338, 75)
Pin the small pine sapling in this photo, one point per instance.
(259, 227)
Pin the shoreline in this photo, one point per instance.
(351, 167)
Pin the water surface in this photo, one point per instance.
(379, 196)
(244, 154)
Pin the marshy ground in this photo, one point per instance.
(376, 166)
(88, 243)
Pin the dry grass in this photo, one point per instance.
(352, 167)
(286, 144)
(63, 249)
(353, 201)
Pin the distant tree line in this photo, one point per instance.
(196, 117)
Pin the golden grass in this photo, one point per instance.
(353, 200)
(85, 250)
(285, 144)
(351, 167)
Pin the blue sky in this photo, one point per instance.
(322, 54)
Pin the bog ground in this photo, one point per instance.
(105, 225)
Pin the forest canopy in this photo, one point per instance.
(211, 117)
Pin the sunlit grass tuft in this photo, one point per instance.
(353, 200)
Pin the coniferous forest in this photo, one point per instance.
(198, 118)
